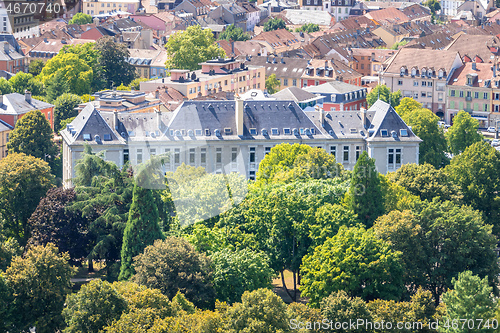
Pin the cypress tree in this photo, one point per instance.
(365, 196)
(142, 229)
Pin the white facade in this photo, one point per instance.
(450, 7)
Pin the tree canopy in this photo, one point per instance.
(113, 60)
(234, 33)
(75, 71)
(186, 49)
(463, 133)
(406, 106)
(80, 18)
(25, 81)
(272, 84)
(308, 27)
(64, 108)
(274, 24)
(383, 93)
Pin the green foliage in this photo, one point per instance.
(406, 106)
(433, 5)
(89, 53)
(355, 261)
(94, 307)
(424, 123)
(426, 182)
(437, 241)
(6, 299)
(474, 172)
(52, 222)
(56, 86)
(207, 240)
(25, 81)
(329, 218)
(136, 83)
(471, 298)
(234, 33)
(308, 27)
(274, 24)
(40, 282)
(365, 192)
(142, 229)
(80, 18)
(9, 248)
(340, 307)
(288, 163)
(463, 133)
(5, 87)
(259, 311)
(383, 93)
(302, 313)
(24, 180)
(396, 197)
(134, 321)
(186, 49)
(398, 45)
(113, 61)
(64, 108)
(66, 122)
(272, 84)
(74, 70)
(238, 271)
(35, 67)
(173, 265)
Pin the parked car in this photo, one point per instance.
(495, 143)
(441, 123)
(491, 129)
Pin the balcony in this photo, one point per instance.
(468, 98)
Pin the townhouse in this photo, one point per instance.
(340, 96)
(422, 75)
(95, 7)
(234, 136)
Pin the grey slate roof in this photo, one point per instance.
(296, 94)
(4, 126)
(191, 116)
(333, 87)
(20, 105)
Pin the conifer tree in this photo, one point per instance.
(365, 193)
(142, 229)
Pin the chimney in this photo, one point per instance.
(363, 117)
(326, 64)
(115, 120)
(157, 94)
(232, 48)
(239, 116)
(474, 66)
(1, 99)
(322, 116)
(27, 96)
(45, 40)
(6, 47)
(158, 118)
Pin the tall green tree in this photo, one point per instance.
(238, 271)
(25, 81)
(56, 86)
(75, 71)
(64, 108)
(113, 60)
(424, 123)
(234, 33)
(36, 67)
(6, 299)
(438, 240)
(94, 307)
(463, 133)
(40, 282)
(272, 84)
(471, 299)
(474, 172)
(142, 229)
(340, 307)
(274, 24)
(383, 93)
(308, 27)
(186, 49)
(406, 106)
(34, 136)
(5, 87)
(173, 265)
(355, 261)
(24, 180)
(80, 18)
(365, 193)
(89, 53)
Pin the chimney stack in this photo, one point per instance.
(322, 116)
(363, 117)
(158, 118)
(474, 66)
(157, 94)
(239, 116)
(115, 120)
(27, 96)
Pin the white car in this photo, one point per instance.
(495, 143)
(441, 123)
(491, 129)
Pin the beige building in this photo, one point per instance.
(95, 7)
(235, 136)
(215, 75)
(422, 75)
(5, 130)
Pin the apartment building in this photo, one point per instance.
(234, 136)
(216, 75)
(340, 96)
(422, 75)
(95, 7)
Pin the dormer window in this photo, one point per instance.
(413, 71)
(86, 137)
(383, 132)
(440, 73)
(424, 72)
(402, 71)
(403, 132)
(253, 131)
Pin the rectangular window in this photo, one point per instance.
(333, 97)
(452, 93)
(400, 82)
(394, 158)
(415, 83)
(252, 175)
(286, 131)
(294, 82)
(234, 158)
(125, 154)
(253, 131)
(346, 154)
(192, 153)
(267, 150)
(429, 84)
(275, 131)
(384, 132)
(139, 156)
(252, 155)
(476, 94)
(424, 83)
(203, 156)
(152, 151)
(285, 82)
(177, 156)
(485, 95)
(461, 93)
(358, 152)
(218, 155)
(207, 132)
(197, 132)
(486, 107)
(423, 94)
(333, 150)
